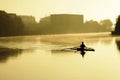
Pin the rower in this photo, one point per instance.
(82, 46)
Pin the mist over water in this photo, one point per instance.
(33, 58)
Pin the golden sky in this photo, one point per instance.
(91, 9)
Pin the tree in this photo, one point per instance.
(106, 24)
(10, 24)
(92, 26)
(117, 27)
(5, 24)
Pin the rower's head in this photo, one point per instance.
(82, 42)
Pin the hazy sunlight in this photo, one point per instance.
(95, 9)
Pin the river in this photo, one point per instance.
(34, 58)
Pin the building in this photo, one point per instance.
(67, 22)
(66, 19)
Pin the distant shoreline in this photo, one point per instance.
(82, 34)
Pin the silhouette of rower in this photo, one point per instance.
(82, 46)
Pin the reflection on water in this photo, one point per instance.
(5, 53)
(64, 51)
(39, 59)
(14, 46)
(82, 53)
(118, 43)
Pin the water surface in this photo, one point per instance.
(33, 58)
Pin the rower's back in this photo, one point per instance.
(82, 45)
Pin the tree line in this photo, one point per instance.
(15, 25)
(88, 26)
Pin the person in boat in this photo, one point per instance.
(82, 49)
(82, 46)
